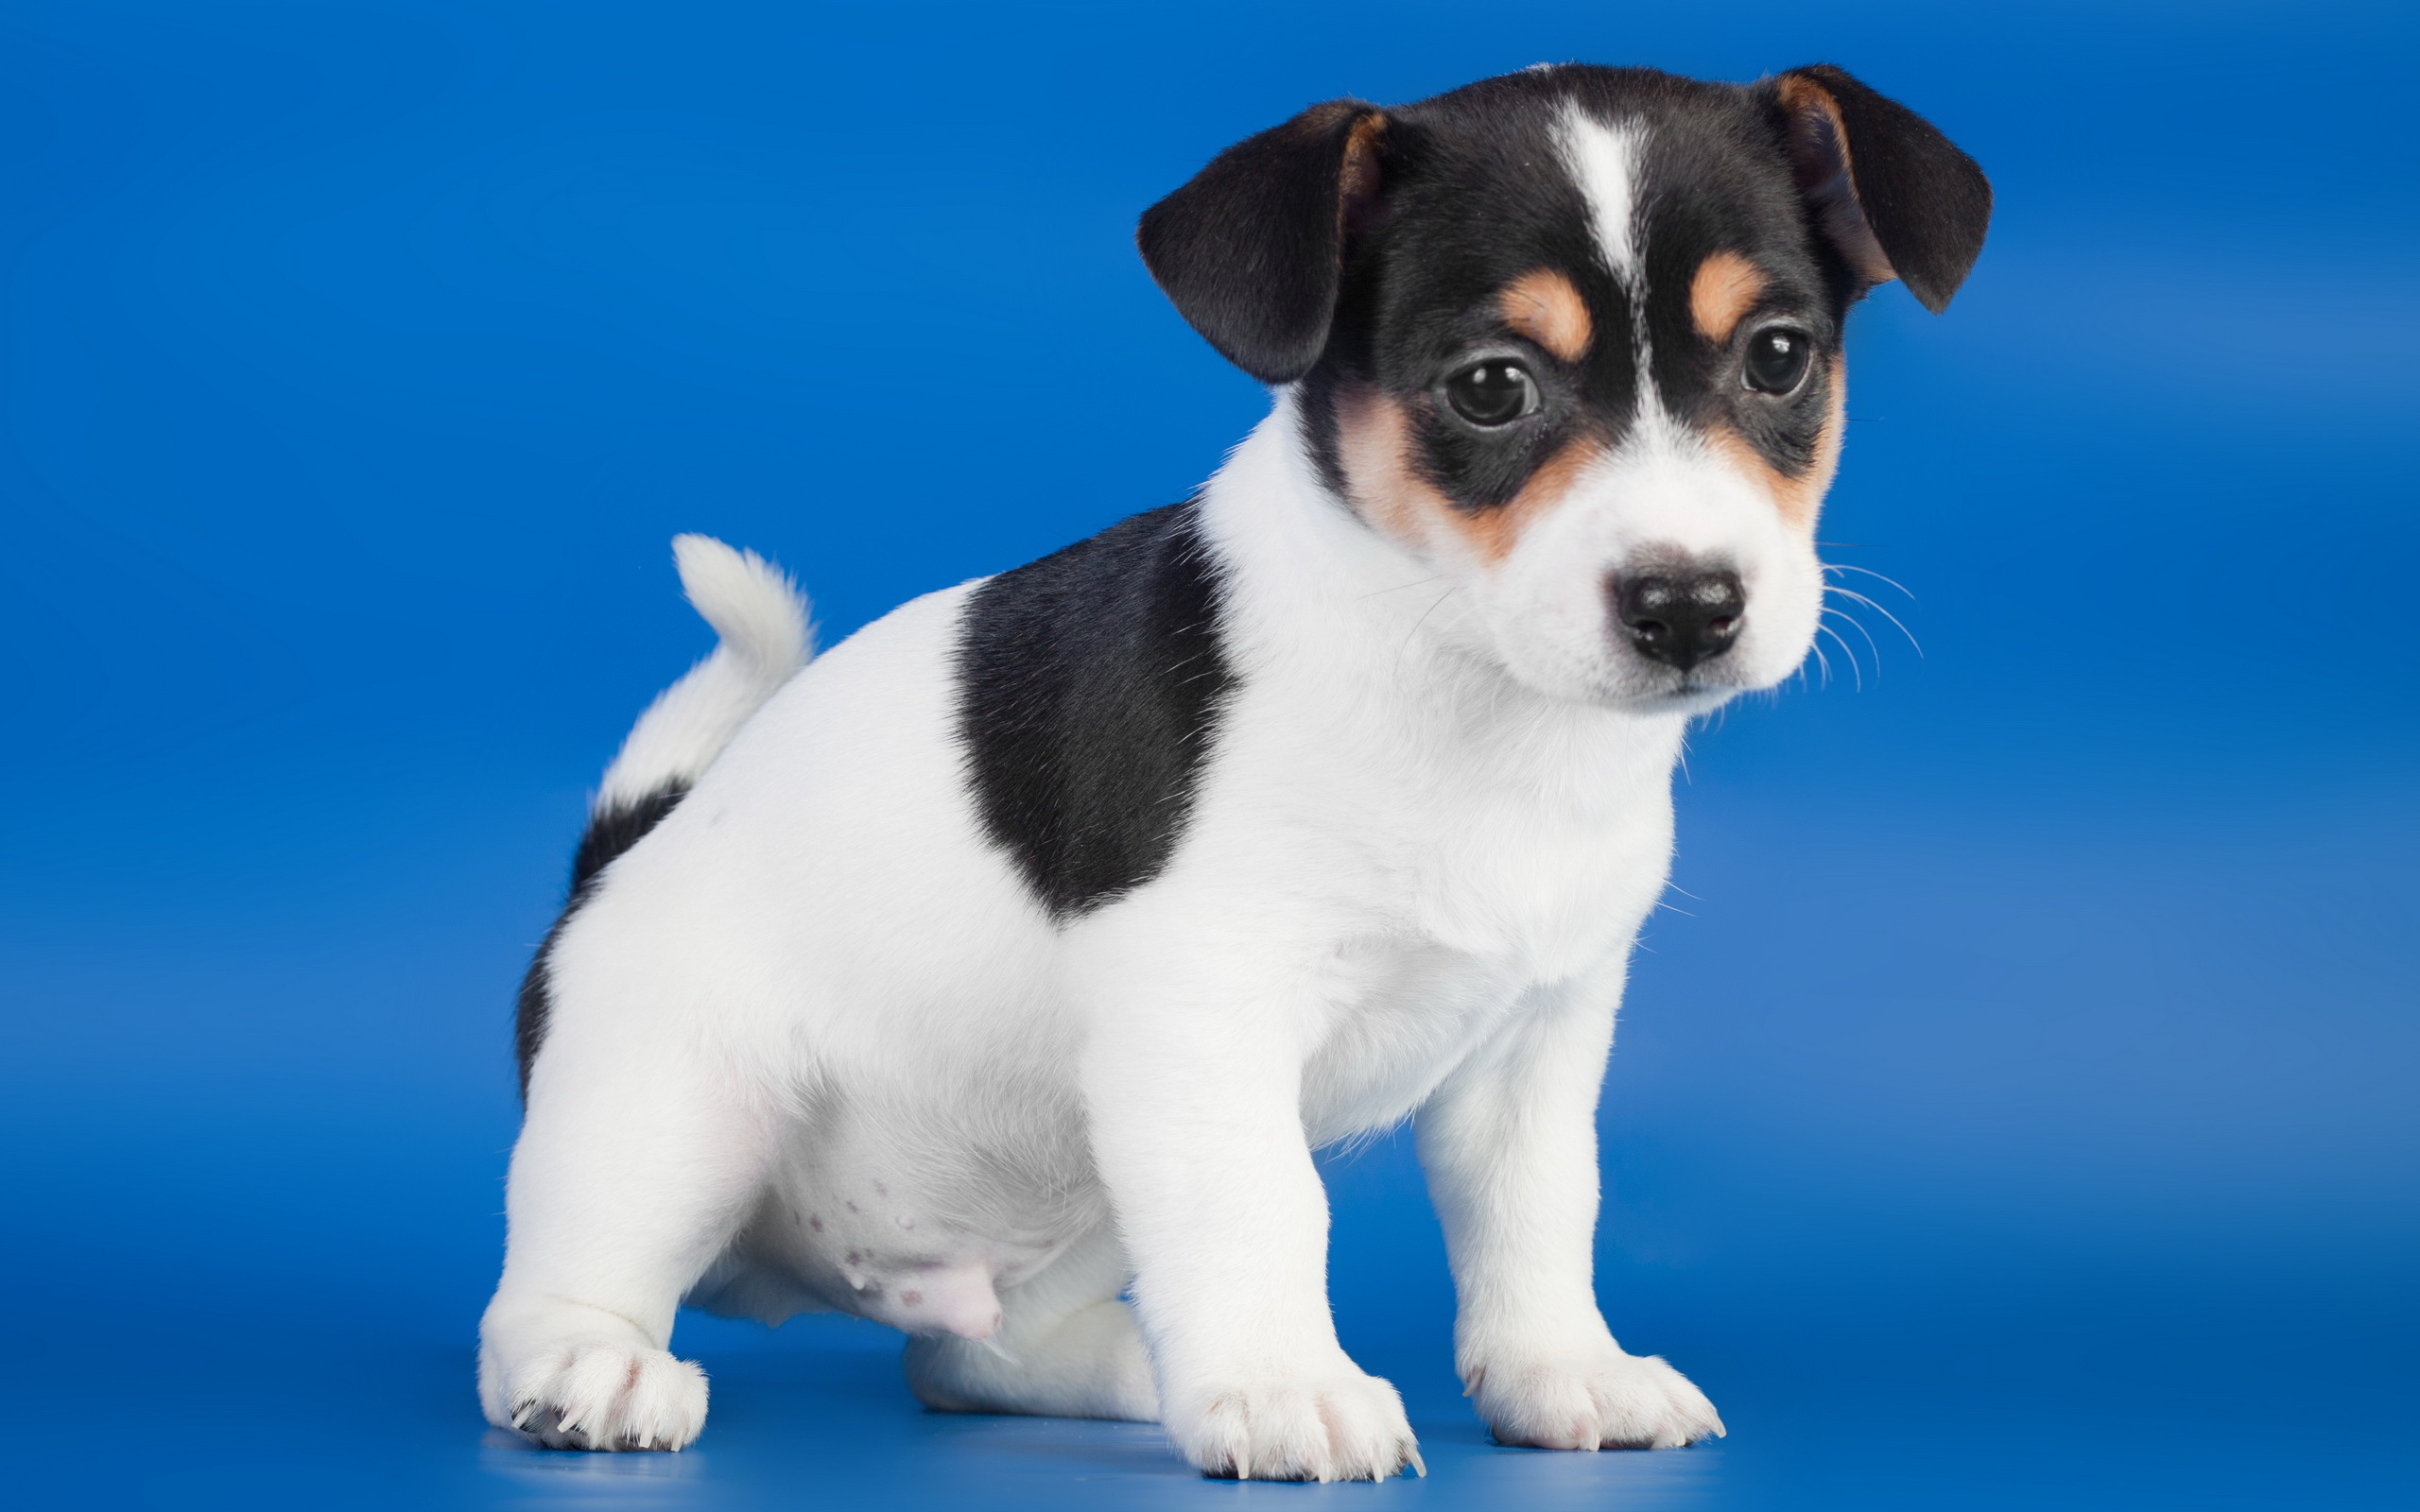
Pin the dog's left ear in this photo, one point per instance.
(1892, 193)
(1251, 250)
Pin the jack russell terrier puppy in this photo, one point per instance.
(995, 975)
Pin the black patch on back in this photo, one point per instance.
(1089, 690)
(608, 836)
(616, 831)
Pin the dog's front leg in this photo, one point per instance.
(1509, 1145)
(1193, 1081)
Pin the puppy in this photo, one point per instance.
(995, 974)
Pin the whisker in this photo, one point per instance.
(1417, 582)
(1844, 614)
(1824, 661)
(1413, 633)
(1844, 567)
(1848, 651)
(1884, 612)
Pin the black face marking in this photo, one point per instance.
(607, 836)
(1089, 690)
(1721, 185)
(1452, 200)
(1477, 191)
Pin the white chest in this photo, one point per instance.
(1547, 891)
(1480, 920)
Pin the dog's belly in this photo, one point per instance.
(917, 1217)
(915, 1206)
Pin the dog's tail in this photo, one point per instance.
(762, 619)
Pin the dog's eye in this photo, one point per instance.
(1777, 359)
(1494, 392)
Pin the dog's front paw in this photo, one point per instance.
(1594, 1399)
(1331, 1423)
(598, 1394)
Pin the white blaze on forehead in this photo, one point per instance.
(1604, 163)
(1604, 160)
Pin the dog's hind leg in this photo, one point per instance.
(643, 1148)
(643, 1140)
(1066, 1348)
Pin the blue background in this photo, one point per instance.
(2014, 1109)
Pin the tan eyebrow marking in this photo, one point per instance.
(1727, 287)
(1545, 307)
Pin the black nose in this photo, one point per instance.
(1681, 617)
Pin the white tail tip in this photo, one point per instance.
(762, 619)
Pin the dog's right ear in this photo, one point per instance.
(1252, 249)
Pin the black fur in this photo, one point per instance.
(1467, 192)
(1927, 202)
(608, 836)
(616, 830)
(1089, 690)
(1250, 249)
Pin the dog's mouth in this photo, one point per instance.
(1685, 693)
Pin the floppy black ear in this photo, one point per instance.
(1252, 248)
(1892, 193)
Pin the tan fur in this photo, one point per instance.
(1799, 92)
(1357, 178)
(1798, 498)
(1727, 287)
(1545, 307)
(1374, 437)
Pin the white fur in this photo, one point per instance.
(814, 1044)
(762, 619)
(1604, 160)
(1664, 496)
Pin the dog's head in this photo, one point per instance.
(1573, 336)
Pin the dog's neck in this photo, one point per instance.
(1370, 634)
